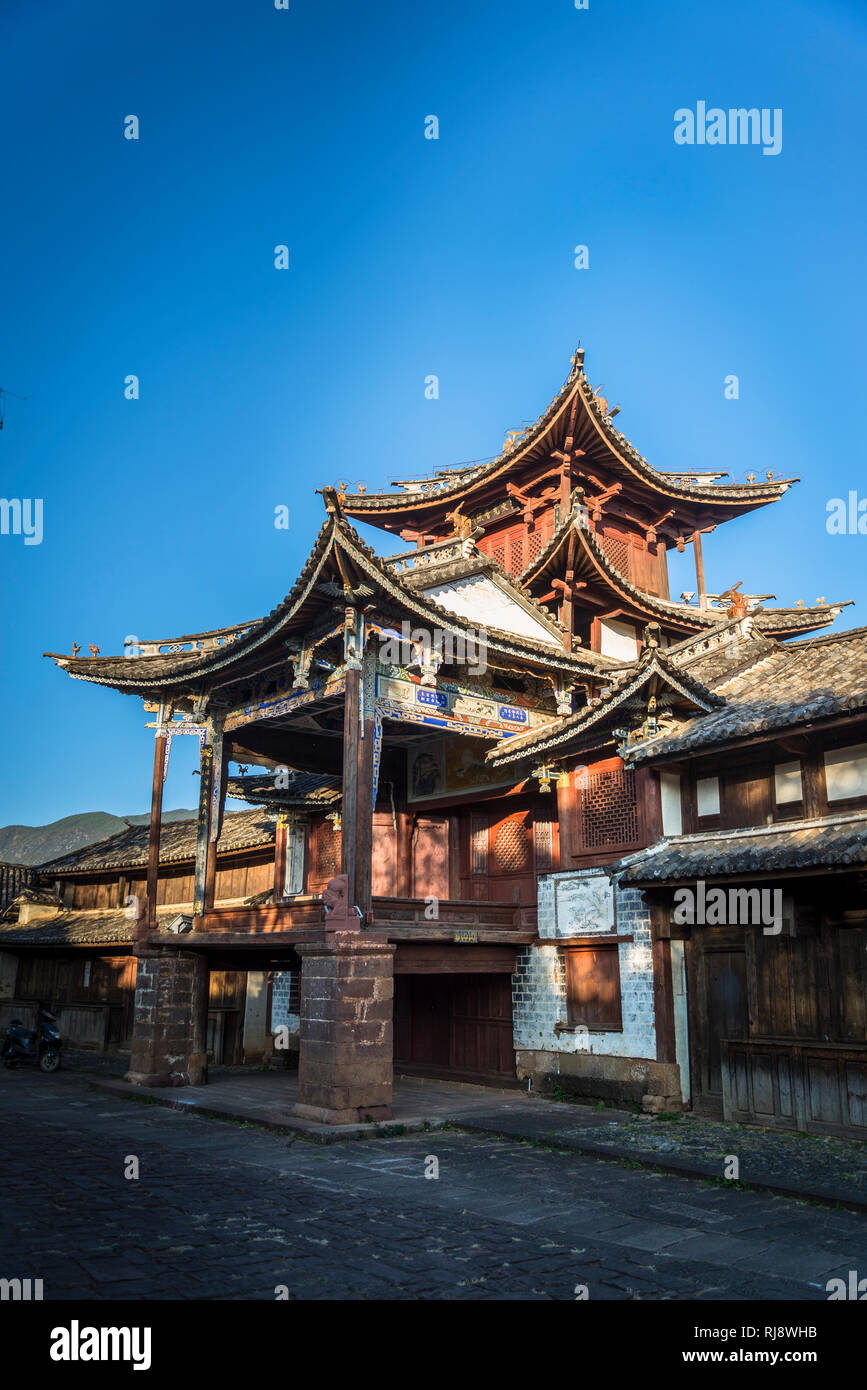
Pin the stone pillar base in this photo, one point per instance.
(346, 1062)
(360, 1115)
(170, 1021)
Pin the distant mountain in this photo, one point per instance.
(34, 844)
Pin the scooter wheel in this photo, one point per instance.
(49, 1061)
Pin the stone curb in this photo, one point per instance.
(670, 1163)
(286, 1124)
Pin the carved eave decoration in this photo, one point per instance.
(340, 569)
(581, 415)
(642, 695)
(592, 564)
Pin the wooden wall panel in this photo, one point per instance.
(384, 866)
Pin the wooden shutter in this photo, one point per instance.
(324, 856)
(593, 986)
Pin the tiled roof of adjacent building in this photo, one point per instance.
(769, 686)
(301, 789)
(97, 927)
(129, 849)
(833, 842)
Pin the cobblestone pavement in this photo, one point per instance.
(815, 1164)
(829, 1168)
(223, 1211)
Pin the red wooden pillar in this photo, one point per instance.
(281, 841)
(403, 887)
(349, 814)
(156, 820)
(364, 814)
(567, 813)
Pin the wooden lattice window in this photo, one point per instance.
(516, 553)
(543, 834)
(593, 986)
(479, 842)
(617, 551)
(609, 809)
(512, 849)
(324, 852)
(535, 543)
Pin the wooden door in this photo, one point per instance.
(422, 1017)
(452, 1023)
(481, 1025)
(719, 1007)
(430, 857)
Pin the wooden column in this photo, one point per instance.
(364, 803)
(217, 808)
(566, 816)
(403, 888)
(210, 875)
(663, 991)
(649, 797)
(813, 782)
(349, 815)
(156, 819)
(206, 785)
(280, 844)
(699, 570)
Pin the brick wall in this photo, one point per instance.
(539, 997)
(286, 1000)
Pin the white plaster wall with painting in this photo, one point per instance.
(582, 903)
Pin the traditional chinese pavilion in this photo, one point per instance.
(483, 709)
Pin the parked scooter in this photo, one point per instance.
(24, 1045)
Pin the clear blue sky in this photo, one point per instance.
(408, 257)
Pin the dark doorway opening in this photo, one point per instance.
(454, 1025)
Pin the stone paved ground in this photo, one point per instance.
(222, 1211)
(814, 1164)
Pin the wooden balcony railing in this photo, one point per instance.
(304, 914)
(452, 912)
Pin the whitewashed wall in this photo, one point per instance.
(582, 903)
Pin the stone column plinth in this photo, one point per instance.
(346, 1062)
(169, 1046)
